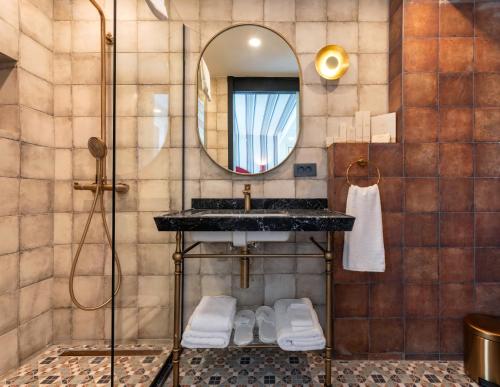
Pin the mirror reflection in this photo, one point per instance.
(248, 99)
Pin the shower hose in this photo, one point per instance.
(98, 197)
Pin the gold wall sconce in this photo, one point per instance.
(332, 62)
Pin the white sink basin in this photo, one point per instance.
(240, 238)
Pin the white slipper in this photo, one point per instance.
(244, 322)
(266, 321)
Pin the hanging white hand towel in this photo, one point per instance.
(364, 245)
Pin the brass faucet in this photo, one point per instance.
(248, 197)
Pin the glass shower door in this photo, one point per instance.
(141, 314)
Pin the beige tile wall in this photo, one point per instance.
(149, 136)
(50, 100)
(143, 99)
(27, 179)
(362, 28)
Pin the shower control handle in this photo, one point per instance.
(120, 187)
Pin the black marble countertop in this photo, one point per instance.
(266, 215)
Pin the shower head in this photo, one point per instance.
(97, 147)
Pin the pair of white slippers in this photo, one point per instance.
(244, 323)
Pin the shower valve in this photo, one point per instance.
(109, 39)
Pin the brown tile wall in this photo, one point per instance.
(439, 190)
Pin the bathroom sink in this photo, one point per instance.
(269, 220)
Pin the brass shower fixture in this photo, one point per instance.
(109, 39)
(98, 148)
(120, 187)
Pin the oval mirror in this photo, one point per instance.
(248, 99)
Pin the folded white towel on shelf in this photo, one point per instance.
(364, 245)
(211, 323)
(198, 339)
(214, 314)
(300, 315)
(304, 339)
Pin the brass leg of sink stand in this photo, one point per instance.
(176, 351)
(329, 309)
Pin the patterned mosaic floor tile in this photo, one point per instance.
(49, 368)
(233, 367)
(273, 367)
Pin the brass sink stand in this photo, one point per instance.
(179, 256)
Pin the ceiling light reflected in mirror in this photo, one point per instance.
(254, 42)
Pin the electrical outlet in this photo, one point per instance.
(304, 170)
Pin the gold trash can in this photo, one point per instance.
(482, 348)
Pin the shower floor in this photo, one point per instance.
(273, 367)
(50, 368)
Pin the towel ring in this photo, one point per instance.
(362, 163)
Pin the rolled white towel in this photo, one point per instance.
(214, 314)
(289, 339)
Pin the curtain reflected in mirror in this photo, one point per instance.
(248, 99)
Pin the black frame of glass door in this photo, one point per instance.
(162, 376)
(113, 200)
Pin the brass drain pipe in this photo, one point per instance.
(244, 268)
